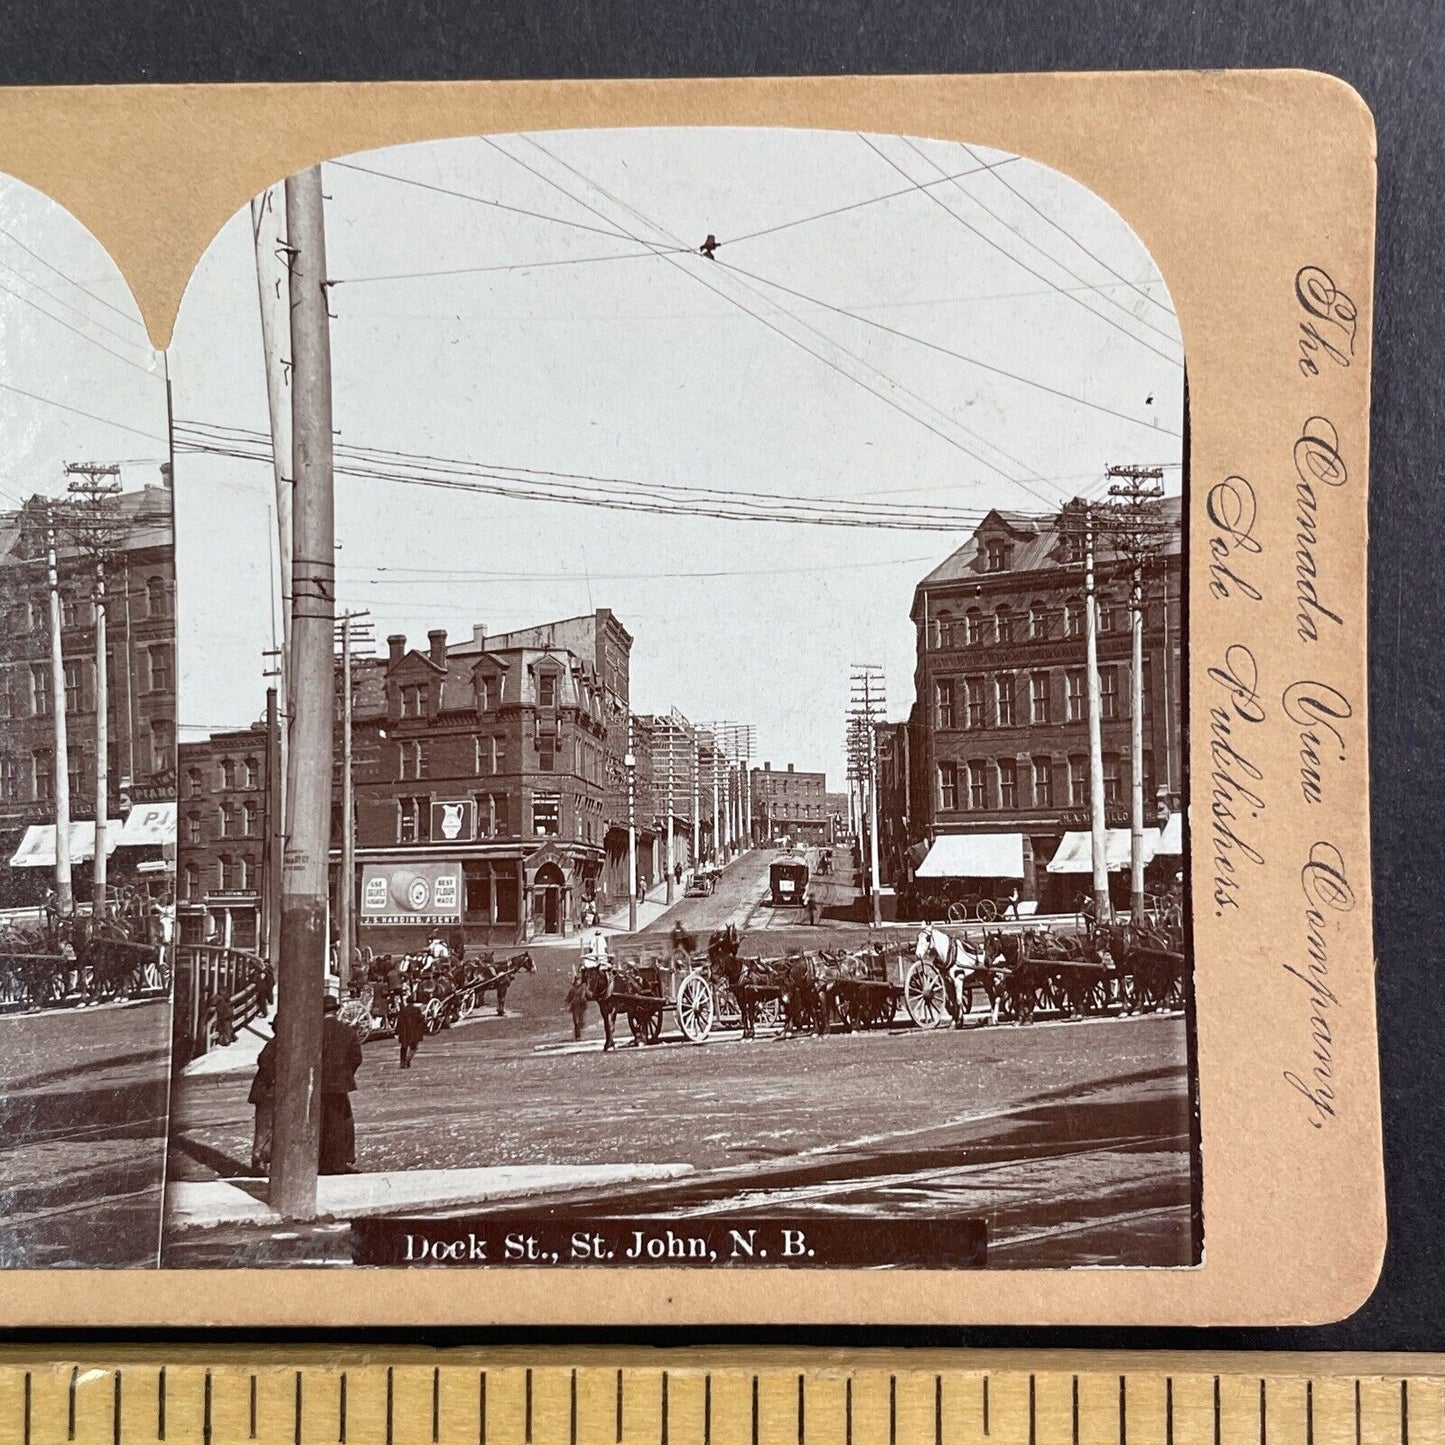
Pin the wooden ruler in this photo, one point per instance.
(716, 1397)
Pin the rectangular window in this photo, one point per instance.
(943, 704)
(1108, 692)
(162, 674)
(1008, 783)
(9, 780)
(1078, 701)
(413, 700)
(163, 745)
(547, 690)
(973, 689)
(39, 690)
(42, 775)
(423, 759)
(226, 823)
(1111, 778)
(1040, 708)
(1147, 688)
(252, 773)
(79, 779)
(1004, 696)
(997, 555)
(7, 692)
(499, 756)
(413, 820)
(1078, 782)
(547, 815)
(977, 786)
(948, 786)
(249, 819)
(547, 754)
(1043, 783)
(74, 686)
(193, 828)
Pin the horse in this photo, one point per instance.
(600, 983)
(805, 1002)
(495, 979)
(959, 966)
(742, 975)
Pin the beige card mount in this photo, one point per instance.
(849, 590)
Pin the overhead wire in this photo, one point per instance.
(80, 411)
(76, 331)
(65, 276)
(1018, 261)
(1053, 260)
(793, 340)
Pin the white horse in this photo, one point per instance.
(955, 957)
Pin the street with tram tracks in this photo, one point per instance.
(1070, 1137)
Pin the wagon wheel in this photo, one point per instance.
(887, 1008)
(1174, 997)
(925, 995)
(958, 912)
(355, 1014)
(770, 1012)
(433, 1015)
(645, 1024)
(987, 910)
(695, 1008)
(468, 1001)
(729, 1015)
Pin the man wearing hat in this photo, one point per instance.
(340, 1059)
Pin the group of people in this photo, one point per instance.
(340, 1059)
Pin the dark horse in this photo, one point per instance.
(744, 977)
(613, 987)
(485, 976)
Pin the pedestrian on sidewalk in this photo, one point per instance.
(677, 873)
(266, 988)
(642, 887)
(263, 1098)
(225, 1019)
(410, 1030)
(340, 1059)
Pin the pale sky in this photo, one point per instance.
(661, 369)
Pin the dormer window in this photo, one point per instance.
(547, 689)
(413, 700)
(996, 555)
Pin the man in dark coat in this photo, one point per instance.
(410, 1030)
(340, 1059)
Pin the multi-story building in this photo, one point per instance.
(996, 748)
(790, 804)
(139, 576)
(224, 836)
(482, 780)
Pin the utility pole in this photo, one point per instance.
(1103, 909)
(95, 487)
(64, 887)
(275, 842)
(310, 678)
(667, 865)
(1138, 491)
(346, 872)
(866, 696)
(696, 801)
(630, 763)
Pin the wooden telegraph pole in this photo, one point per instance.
(346, 875)
(1103, 909)
(310, 680)
(867, 711)
(95, 487)
(1137, 491)
(64, 885)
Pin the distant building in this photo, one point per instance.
(996, 748)
(223, 827)
(787, 803)
(140, 672)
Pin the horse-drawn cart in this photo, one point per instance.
(644, 989)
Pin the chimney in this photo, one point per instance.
(437, 638)
(790, 767)
(395, 648)
(479, 634)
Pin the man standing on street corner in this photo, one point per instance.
(340, 1059)
(410, 1030)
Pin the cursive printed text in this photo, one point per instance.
(1317, 464)
(1328, 333)
(1235, 800)
(1327, 890)
(1315, 708)
(1231, 507)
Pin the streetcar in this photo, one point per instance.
(788, 882)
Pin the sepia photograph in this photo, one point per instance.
(87, 752)
(679, 690)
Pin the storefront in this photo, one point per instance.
(1073, 864)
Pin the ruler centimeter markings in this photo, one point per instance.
(587, 1400)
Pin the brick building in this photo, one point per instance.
(996, 748)
(140, 672)
(787, 803)
(489, 765)
(223, 828)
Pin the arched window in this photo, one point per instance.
(1038, 619)
(975, 622)
(944, 624)
(1004, 622)
(1074, 617)
(157, 601)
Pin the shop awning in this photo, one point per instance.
(1075, 852)
(37, 847)
(974, 855)
(917, 853)
(1171, 839)
(149, 825)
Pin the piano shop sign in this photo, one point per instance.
(411, 893)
